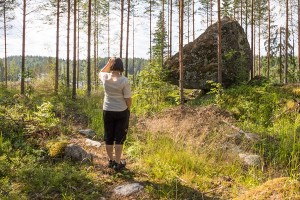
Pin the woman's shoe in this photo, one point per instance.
(119, 166)
(111, 163)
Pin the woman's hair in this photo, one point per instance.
(118, 65)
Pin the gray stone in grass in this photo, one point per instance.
(251, 160)
(76, 153)
(88, 133)
(128, 189)
(92, 143)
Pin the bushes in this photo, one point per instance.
(266, 109)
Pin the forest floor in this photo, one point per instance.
(192, 124)
(207, 129)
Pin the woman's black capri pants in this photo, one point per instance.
(115, 126)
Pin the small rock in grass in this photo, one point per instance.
(92, 143)
(128, 189)
(88, 133)
(76, 153)
(251, 160)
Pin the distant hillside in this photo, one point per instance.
(40, 65)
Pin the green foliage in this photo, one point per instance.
(44, 116)
(56, 149)
(217, 90)
(60, 181)
(151, 93)
(271, 112)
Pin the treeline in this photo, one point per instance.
(41, 66)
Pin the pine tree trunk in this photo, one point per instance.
(23, 50)
(74, 52)
(252, 43)
(5, 45)
(254, 51)
(211, 12)
(193, 20)
(57, 48)
(150, 35)
(133, 59)
(95, 43)
(78, 61)
(286, 43)
(219, 44)
(68, 44)
(171, 19)
(127, 39)
(207, 14)
(269, 39)
(246, 18)
(89, 88)
(163, 31)
(181, 69)
(122, 19)
(108, 30)
(258, 65)
(188, 20)
(97, 49)
(168, 45)
(241, 14)
(280, 56)
(299, 36)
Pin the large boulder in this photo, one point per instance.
(201, 57)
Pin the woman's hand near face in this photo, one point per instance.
(109, 63)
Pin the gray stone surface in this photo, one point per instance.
(128, 189)
(92, 143)
(251, 159)
(201, 57)
(88, 133)
(76, 153)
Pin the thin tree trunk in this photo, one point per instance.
(108, 30)
(193, 20)
(171, 26)
(122, 19)
(57, 48)
(241, 14)
(211, 12)
(280, 56)
(133, 59)
(254, 52)
(286, 43)
(5, 45)
(188, 20)
(68, 44)
(23, 50)
(299, 36)
(127, 38)
(207, 14)
(95, 43)
(181, 67)
(150, 13)
(252, 43)
(89, 88)
(74, 53)
(269, 39)
(246, 18)
(258, 65)
(97, 49)
(163, 31)
(168, 51)
(219, 44)
(78, 61)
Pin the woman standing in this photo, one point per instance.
(116, 110)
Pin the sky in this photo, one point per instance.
(41, 37)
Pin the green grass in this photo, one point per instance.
(176, 169)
